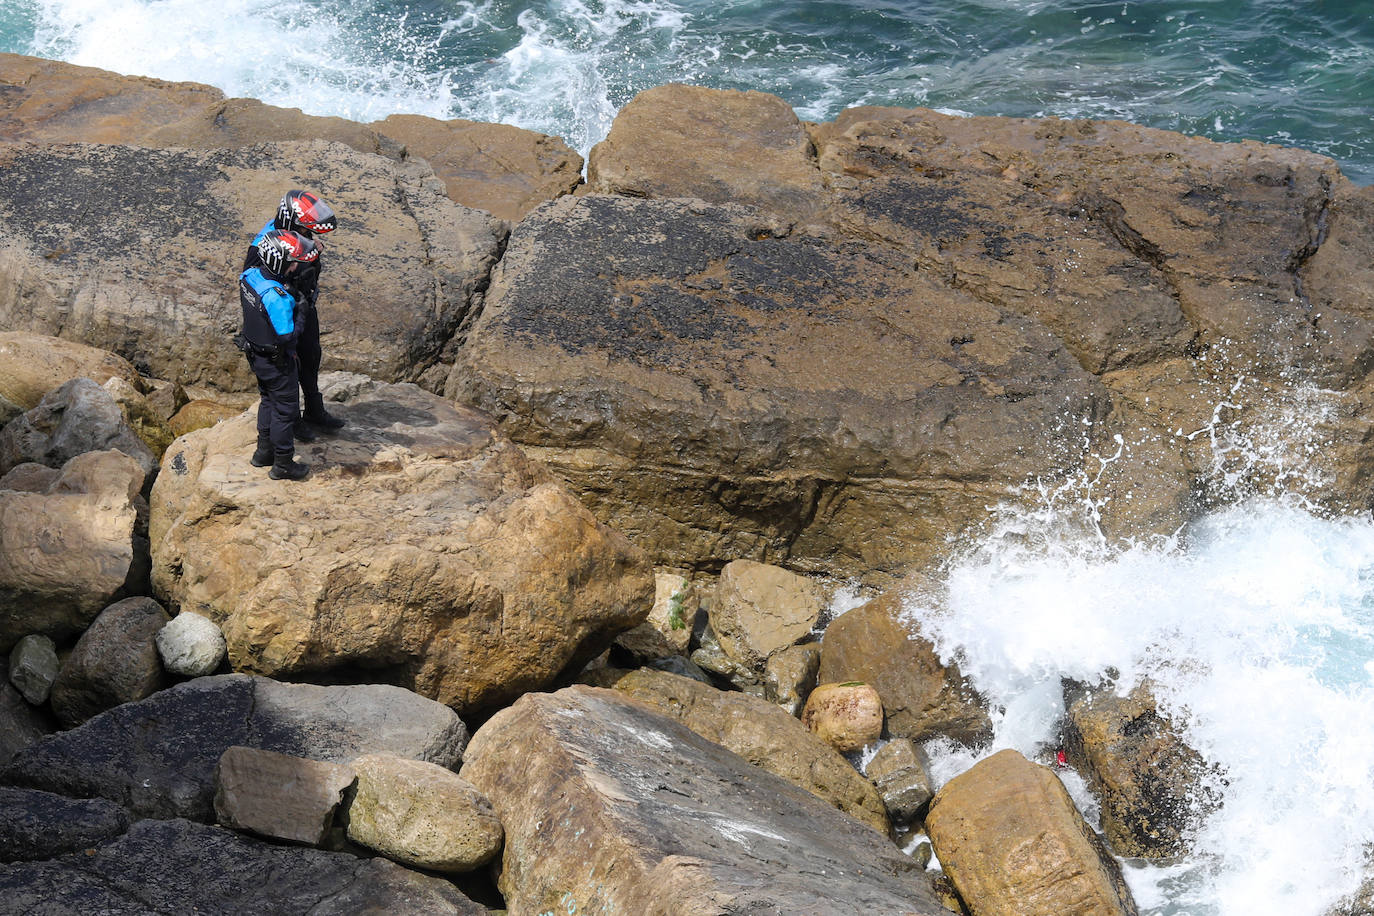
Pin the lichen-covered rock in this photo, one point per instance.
(421, 814)
(1008, 835)
(424, 550)
(609, 806)
(70, 549)
(115, 661)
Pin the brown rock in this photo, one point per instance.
(1146, 778)
(115, 661)
(608, 806)
(504, 170)
(421, 814)
(141, 415)
(847, 716)
(790, 676)
(720, 145)
(900, 771)
(668, 630)
(759, 610)
(1008, 835)
(279, 796)
(763, 735)
(200, 414)
(31, 365)
(923, 698)
(424, 549)
(69, 551)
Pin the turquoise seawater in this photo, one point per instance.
(1294, 73)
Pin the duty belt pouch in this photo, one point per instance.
(242, 344)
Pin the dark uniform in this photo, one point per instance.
(273, 311)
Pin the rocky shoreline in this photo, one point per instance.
(611, 446)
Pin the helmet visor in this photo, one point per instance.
(314, 214)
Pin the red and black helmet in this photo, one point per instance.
(280, 249)
(303, 212)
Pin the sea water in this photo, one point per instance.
(1255, 622)
(1283, 71)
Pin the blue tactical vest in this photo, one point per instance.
(270, 312)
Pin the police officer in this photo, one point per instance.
(306, 215)
(273, 309)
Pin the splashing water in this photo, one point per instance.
(1256, 625)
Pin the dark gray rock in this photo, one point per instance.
(170, 868)
(609, 806)
(115, 661)
(20, 723)
(40, 825)
(72, 419)
(157, 757)
(34, 667)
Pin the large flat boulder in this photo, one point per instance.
(79, 222)
(168, 867)
(31, 365)
(157, 757)
(70, 545)
(424, 550)
(610, 807)
(717, 388)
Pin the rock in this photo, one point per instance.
(1008, 835)
(711, 657)
(722, 146)
(848, 716)
(20, 723)
(141, 416)
(507, 171)
(667, 632)
(900, 771)
(29, 477)
(612, 807)
(922, 697)
(790, 676)
(1148, 781)
(682, 667)
(424, 550)
(191, 645)
(157, 757)
(115, 661)
(279, 796)
(31, 365)
(72, 419)
(420, 814)
(39, 825)
(404, 269)
(72, 549)
(844, 425)
(166, 398)
(8, 410)
(175, 866)
(760, 610)
(762, 734)
(200, 414)
(33, 668)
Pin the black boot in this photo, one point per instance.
(316, 415)
(263, 456)
(286, 467)
(302, 431)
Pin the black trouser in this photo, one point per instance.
(310, 353)
(280, 404)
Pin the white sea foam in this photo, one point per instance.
(1257, 626)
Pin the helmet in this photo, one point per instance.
(279, 250)
(303, 212)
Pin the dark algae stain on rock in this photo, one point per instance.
(108, 200)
